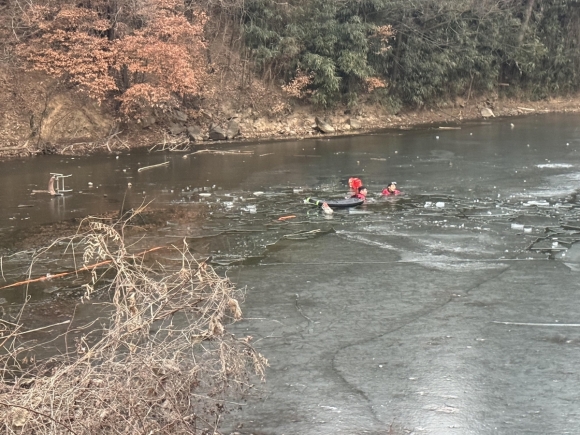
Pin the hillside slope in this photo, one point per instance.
(39, 115)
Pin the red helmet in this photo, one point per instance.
(354, 183)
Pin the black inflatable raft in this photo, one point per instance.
(336, 203)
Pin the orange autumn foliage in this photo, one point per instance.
(373, 83)
(150, 66)
(298, 86)
(66, 44)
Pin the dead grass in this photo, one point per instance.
(162, 361)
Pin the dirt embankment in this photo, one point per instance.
(39, 115)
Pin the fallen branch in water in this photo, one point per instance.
(241, 153)
(144, 168)
(85, 268)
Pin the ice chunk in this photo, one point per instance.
(554, 165)
(542, 203)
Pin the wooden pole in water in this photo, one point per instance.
(82, 269)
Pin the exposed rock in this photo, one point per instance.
(487, 113)
(233, 129)
(176, 129)
(205, 114)
(147, 121)
(354, 124)
(323, 126)
(180, 116)
(194, 133)
(62, 117)
(217, 133)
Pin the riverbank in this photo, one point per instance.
(41, 116)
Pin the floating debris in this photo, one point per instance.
(144, 168)
(326, 208)
(222, 152)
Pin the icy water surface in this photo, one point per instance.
(449, 310)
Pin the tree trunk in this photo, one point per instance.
(395, 73)
(112, 11)
(525, 20)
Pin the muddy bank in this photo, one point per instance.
(38, 115)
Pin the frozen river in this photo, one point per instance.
(449, 310)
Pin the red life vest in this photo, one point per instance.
(387, 192)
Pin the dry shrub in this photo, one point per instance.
(383, 34)
(373, 83)
(161, 362)
(298, 86)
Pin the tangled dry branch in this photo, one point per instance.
(160, 363)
